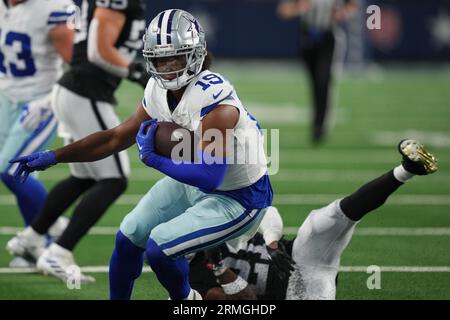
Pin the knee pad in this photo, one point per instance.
(133, 231)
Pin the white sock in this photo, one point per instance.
(33, 235)
(59, 251)
(401, 174)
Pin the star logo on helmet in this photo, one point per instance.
(193, 26)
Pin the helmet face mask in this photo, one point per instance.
(174, 33)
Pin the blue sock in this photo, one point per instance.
(125, 266)
(30, 195)
(172, 274)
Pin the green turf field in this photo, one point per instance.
(410, 234)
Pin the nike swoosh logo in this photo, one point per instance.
(215, 96)
(139, 146)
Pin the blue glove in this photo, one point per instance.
(205, 175)
(145, 142)
(36, 161)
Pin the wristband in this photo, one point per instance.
(234, 287)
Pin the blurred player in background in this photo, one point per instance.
(34, 42)
(319, 27)
(198, 204)
(260, 268)
(106, 44)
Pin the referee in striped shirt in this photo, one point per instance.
(319, 20)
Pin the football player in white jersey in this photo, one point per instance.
(34, 42)
(261, 267)
(107, 39)
(201, 204)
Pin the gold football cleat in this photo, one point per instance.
(416, 159)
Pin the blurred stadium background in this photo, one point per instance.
(395, 83)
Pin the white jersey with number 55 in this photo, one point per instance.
(29, 63)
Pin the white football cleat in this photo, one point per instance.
(194, 295)
(59, 262)
(197, 295)
(21, 263)
(27, 244)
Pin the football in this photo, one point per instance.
(170, 135)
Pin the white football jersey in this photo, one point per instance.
(29, 64)
(202, 95)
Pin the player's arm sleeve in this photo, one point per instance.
(271, 226)
(207, 173)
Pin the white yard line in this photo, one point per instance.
(397, 269)
(429, 138)
(342, 175)
(322, 199)
(98, 231)
(279, 114)
(105, 269)
(297, 199)
(283, 175)
(374, 231)
(89, 269)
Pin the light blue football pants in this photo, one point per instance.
(181, 219)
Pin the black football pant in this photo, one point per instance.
(95, 197)
(318, 57)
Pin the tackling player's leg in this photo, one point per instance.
(327, 231)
